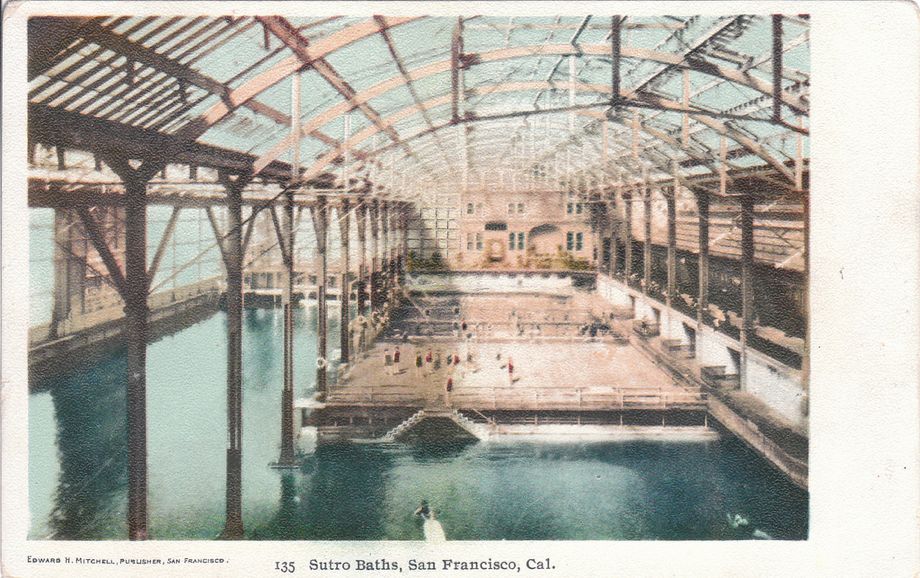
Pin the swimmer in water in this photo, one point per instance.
(423, 510)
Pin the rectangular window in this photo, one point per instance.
(579, 239)
(469, 208)
(469, 241)
(479, 241)
(479, 209)
(578, 208)
(569, 241)
(520, 241)
(510, 208)
(511, 241)
(520, 208)
(569, 207)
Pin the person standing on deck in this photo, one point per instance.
(437, 361)
(510, 370)
(418, 365)
(449, 387)
(396, 368)
(387, 362)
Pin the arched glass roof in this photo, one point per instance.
(415, 103)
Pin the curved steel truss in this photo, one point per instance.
(410, 103)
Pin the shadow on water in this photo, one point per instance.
(341, 498)
(481, 491)
(435, 451)
(92, 448)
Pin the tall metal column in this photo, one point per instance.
(404, 236)
(647, 247)
(672, 245)
(344, 233)
(385, 233)
(320, 223)
(702, 210)
(614, 232)
(287, 393)
(747, 280)
(286, 243)
(628, 236)
(233, 246)
(361, 218)
(136, 314)
(375, 252)
(133, 285)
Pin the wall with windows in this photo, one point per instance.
(516, 229)
(434, 228)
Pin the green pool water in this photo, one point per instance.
(690, 490)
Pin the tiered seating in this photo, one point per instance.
(716, 376)
(678, 349)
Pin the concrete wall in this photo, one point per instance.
(777, 385)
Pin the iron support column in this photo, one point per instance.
(627, 237)
(375, 253)
(385, 233)
(614, 230)
(777, 67)
(647, 247)
(404, 241)
(747, 281)
(344, 233)
(672, 247)
(136, 314)
(320, 222)
(233, 244)
(287, 394)
(361, 218)
(702, 208)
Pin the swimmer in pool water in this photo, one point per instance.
(423, 510)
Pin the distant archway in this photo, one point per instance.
(544, 239)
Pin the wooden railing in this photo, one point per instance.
(548, 399)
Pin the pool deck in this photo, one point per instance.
(557, 369)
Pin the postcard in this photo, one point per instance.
(460, 289)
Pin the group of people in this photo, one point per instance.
(391, 362)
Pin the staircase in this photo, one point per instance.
(481, 431)
(404, 426)
(471, 428)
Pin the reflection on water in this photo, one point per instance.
(513, 491)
